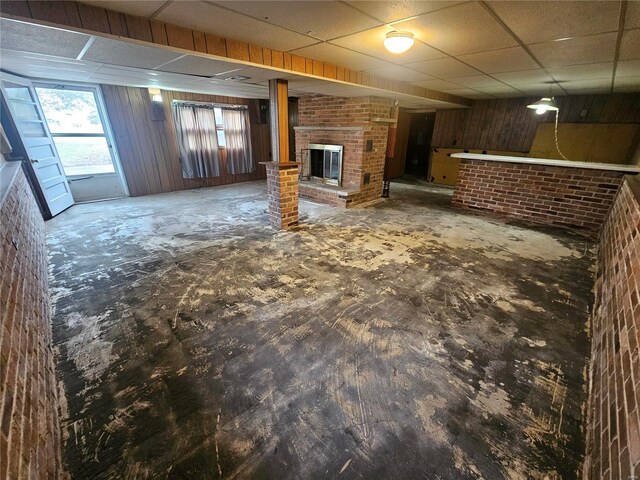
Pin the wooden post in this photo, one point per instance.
(282, 175)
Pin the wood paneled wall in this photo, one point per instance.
(148, 148)
(507, 124)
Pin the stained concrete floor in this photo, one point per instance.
(404, 340)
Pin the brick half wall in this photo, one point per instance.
(613, 411)
(577, 198)
(29, 428)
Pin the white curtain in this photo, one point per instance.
(197, 140)
(238, 140)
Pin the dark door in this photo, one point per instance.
(419, 144)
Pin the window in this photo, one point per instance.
(75, 123)
(220, 127)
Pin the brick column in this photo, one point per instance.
(282, 189)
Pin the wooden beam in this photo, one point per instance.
(279, 116)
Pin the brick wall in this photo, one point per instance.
(29, 431)
(569, 197)
(326, 111)
(613, 413)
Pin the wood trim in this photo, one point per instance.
(77, 15)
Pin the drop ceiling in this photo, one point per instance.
(26, 50)
(476, 49)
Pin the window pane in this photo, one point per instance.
(84, 155)
(17, 92)
(221, 140)
(25, 111)
(32, 129)
(70, 111)
(219, 118)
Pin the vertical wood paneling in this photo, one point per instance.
(148, 149)
(507, 124)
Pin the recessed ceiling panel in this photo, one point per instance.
(626, 84)
(194, 65)
(523, 77)
(541, 21)
(371, 42)
(475, 81)
(340, 56)
(115, 52)
(630, 45)
(541, 89)
(393, 10)
(211, 18)
(503, 60)
(503, 91)
(320, 19)
(464, 28)
(582, 72)
(436, 84)
(576, 51)
(632, 18)
(444, 68)
(144, 8)
(628, 68)
(587, 86)
(27, 37)
(468, 93)
(396, 72)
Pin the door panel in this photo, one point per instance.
(29, 119)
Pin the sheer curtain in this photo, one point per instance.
(197, 140)
(238, 140)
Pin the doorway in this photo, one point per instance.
(76, 119)
(419, 144)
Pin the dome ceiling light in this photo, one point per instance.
(398, 42)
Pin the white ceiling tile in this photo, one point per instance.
(632, 18)
(468, 93)
(582, 72)
(476, 81)
(396, 72)
(598, 85)
(627, 84)
(116, 52)
(320, 19)
(340, 56)
(211, 18)
(630, 45)
(523, 77)
(541, 89)
(576, 51)
(393, 10)
(541, 21)
(371, 42)
(27, 37)
(444, 68)
(436, 85)
(144, 8)
(503, 60)
(628, 68)
(195, 65)
(502, 91)
(464, 28)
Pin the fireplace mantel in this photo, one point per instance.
(326, 127)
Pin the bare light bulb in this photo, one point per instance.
(541, 109)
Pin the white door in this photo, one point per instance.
(32, 128)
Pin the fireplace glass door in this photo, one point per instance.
(325, 162)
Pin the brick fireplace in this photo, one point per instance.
(354, 124)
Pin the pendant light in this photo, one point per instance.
(544, 105)
(398, 42)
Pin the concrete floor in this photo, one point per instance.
(404, 340)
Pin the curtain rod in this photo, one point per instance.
(227, 106)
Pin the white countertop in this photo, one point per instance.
(549, 161)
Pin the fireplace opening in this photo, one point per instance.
(325, 163)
